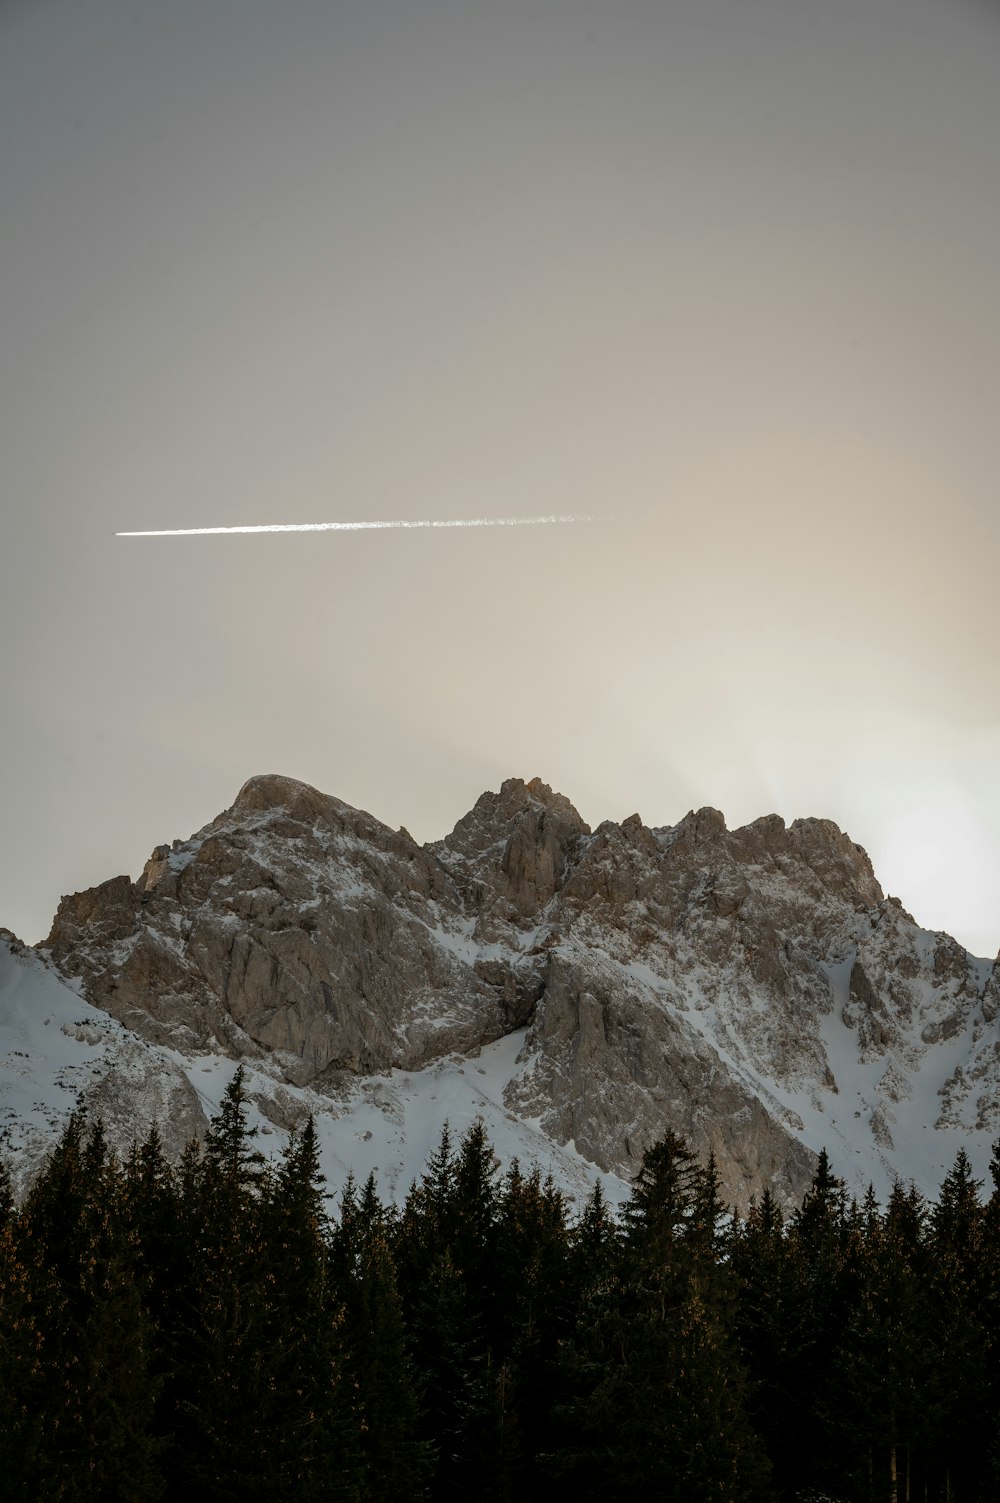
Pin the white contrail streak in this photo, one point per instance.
(192, 532)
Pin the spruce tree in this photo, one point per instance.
(878, 1388)
(8, 1210)
(223, 1357)
(593, 1246)
(473, 1208)
(819, 1309)
(453, 1381)
(533, 1313)
(961, 1416)
(444, 1244)
(308, 1415)
(770, 1323)
(93, 1387)
(27, 1294)
(659, 1407)
(395, 1458)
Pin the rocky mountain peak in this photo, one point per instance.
(701, 826)
(268, 798)
(736, 985)
(102, 914)
(813, 852)
(493, 816)
(510, 852)
(271, 790)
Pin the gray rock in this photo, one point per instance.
(292, 925)
(685, 977)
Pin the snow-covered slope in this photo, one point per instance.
(753, 989)
(57, 1053)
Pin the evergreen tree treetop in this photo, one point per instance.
(227, 1147)
(823, 1212)
(663, 1192)
(957, 1209)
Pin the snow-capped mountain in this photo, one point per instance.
(582, 990)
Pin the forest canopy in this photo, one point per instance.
(210, 1328)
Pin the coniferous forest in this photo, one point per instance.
(207, 1330)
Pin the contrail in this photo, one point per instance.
(396, 525)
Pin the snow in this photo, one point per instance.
(901, 1089)
(54, 1046)
(391, 1124)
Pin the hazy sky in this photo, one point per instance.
(725, 270)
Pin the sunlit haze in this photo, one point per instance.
(718, 275)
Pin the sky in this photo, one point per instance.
(720, 274)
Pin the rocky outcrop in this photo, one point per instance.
(753, 989)
(292, 925)
(991, 994)
(138, 1092)
(510, 854)
(610, 1067)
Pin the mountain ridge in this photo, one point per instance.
(753, 989)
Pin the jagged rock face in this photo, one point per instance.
(752, 989)
(509, 854)
(291, 925)
(610, 1069)
(713, 981)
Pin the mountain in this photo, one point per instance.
(583, 990)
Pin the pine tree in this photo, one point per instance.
(878, 1387)
(223, 1358)
(960, 1414)
(660, 1391)
(395, 1458)
(533, 1313)
(819, 1309)
(453, 1381)
(92, 1388)
(307, 1415)
(27, 1294)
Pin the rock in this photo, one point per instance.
(611, 1069)
(991, 994)
(690, 977)
(510, 853)
(292, 925)
(141, 1091)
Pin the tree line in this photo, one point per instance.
(208, 1329)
